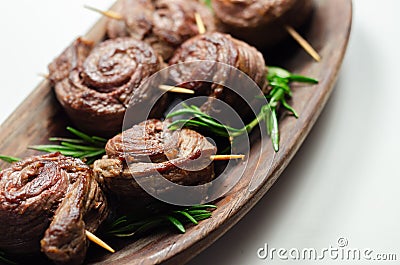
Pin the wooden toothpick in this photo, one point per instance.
(46, 76)
(109, 13)
(176, 89)
(226, 157)
(167, 88)
(98, 241)
(303, 43)
(199, 23)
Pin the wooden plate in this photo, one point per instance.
(40, 117)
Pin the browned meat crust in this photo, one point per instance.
(46, 203)
(181, 156)
(95, 84)
(222, 48)
(164, 24)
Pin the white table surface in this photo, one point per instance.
(344, 181)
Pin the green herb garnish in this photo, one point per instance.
(9, 159)
(278, 80)
(208, 3)
(127, 226)
(5, 259)
(85, 147)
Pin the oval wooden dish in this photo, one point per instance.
(40, 117)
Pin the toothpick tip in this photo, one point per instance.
(226, 157)
(43, 75)
(176, 89)
(98, 241)
(303, 43)
(200, 24)
(109, 13)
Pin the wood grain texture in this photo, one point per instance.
(40, 117)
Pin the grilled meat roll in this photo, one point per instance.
(46, 204)
(164, 24)
(261, 22)
(95, 84)
(221, 48)
(148, 150)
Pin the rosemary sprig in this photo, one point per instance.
(84, 147)
(127, 226)
(9, 159)
(5, 259)
(208, 4)
(201, 119)
(278, 79)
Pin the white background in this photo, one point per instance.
(344, 181)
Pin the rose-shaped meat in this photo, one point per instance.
(149, 150)
(95, 85)
(221, 48)
(164, 24)
(46, 204)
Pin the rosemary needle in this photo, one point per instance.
(85, 147)
(9, 159)
(3, 258)
(208, 3)
(127, 226)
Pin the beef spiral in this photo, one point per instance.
(164, 24)
(221, 48)
(149, 149)
(46, 204)
(260, 22)
(95, 84)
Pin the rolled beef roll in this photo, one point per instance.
(164, 24)
(95, 84)
(46, 204)
(261, 22)
(148, 150)
(221, 48)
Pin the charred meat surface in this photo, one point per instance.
(95, 84)
(164, 24)
(46, 204)
(221, 48)
(149, 150)
(261, 22)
